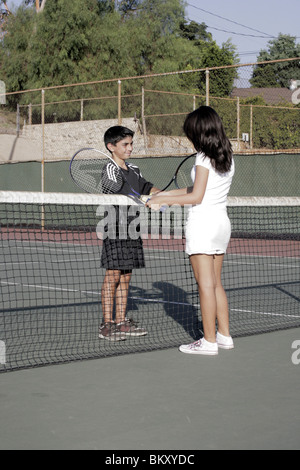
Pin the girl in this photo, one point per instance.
(208, 227)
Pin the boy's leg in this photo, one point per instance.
(108, 292)
(108, 328)
(124, 325)
(122, 295)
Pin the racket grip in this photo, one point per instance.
(145, 199)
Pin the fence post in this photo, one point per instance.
(18, 120)
(251, 126)
(30, 114)
(144, 120)
(43, 143)
(207, 86)
(43, 160)
(119, 102)
(81, 110)
(238, 121)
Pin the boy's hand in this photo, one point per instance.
(154, 203)
(145, 198)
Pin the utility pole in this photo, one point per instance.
(37, 5)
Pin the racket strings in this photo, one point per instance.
(96, 173)
(183, 178)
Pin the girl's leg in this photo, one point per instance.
(203, 267)
(213, 298)
(221, 298)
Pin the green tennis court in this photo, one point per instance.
(246, 399)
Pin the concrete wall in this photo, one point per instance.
(61, 140)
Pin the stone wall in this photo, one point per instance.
(61, 140)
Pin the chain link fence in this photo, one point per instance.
(53, 123)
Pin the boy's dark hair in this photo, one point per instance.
(204, 128)
(115, 134)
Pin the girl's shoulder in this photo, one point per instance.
(203, 160)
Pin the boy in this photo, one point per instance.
(120, 256)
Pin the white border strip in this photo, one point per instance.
(31, 197)
(24, 197)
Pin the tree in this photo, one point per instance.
(278, 74)
(221, 80)
(195, 32)
(69, 44)
(14, 56)
(4, 12)
(39, 4)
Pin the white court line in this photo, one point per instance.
(144, 299)
(152, 257)
(264, 313)
(51, 261)
(66, 247)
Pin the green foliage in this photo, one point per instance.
(278, 74)
(70, 42)
(276, 129)
(14, 53)
(221, 81)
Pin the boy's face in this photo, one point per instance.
(123, 149)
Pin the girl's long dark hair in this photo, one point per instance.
(204, 128)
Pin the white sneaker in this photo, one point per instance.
(224, 342)
(200, 347)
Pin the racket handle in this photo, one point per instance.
(145, 199)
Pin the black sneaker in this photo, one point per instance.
(110, 332)
(130, 328)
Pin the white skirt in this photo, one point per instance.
(207, 232)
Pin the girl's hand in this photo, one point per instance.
(155, 203)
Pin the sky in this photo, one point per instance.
(249, 24)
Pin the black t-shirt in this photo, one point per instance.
(134, 179)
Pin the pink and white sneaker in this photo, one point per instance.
(200, 347)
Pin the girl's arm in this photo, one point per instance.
(186, 196)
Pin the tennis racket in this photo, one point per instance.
(182, 176)
(95, 172)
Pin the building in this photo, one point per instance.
(271, 96)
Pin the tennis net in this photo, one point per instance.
(51, 276)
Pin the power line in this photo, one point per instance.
(266, 35)
(240, 34)
(231, 21)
